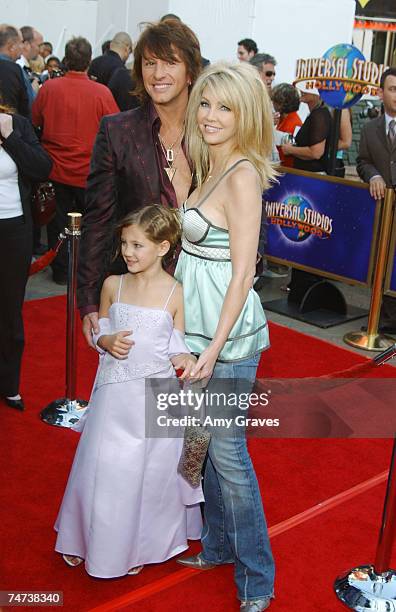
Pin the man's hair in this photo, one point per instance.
(169, 16)
(240, 88)
(285, 98)
(262, 58)
(78, 53)
(249, 45)
(105, 46)
(7, 33)
(27, 33)
(53, 58)
(164, 40)
(389, 72)
(121, 39)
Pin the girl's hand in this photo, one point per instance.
(117, 344)
(185, 362)
(205, 364)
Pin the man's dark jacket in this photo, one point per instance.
(121, 85)
(123, 177)
(376, 155)
(12, 87)
(103, 67)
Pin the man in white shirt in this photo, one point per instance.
(32, 40)
(376, 165)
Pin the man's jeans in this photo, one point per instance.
(235, 529)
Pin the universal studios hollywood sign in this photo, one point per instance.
(341, 76)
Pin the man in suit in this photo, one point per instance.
(13, 91)
(103, 67)
(376, 165)
(139, 156)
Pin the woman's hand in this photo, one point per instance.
(5, 125)
(205, 364)
(185, 362)
(117, 344)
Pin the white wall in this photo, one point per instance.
(308, 31)
(219, 24)
(57, 20)
(126, 15)
(285, 28)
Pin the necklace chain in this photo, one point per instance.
(168, 151)
(170, 155)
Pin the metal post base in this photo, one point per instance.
(368, 342)
(63, 412)
(362, 589)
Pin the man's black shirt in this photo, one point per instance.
(121, 86)
(103, 67)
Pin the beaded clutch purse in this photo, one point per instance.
(195, 447)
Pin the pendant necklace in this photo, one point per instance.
(170, 154)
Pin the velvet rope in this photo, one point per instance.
(44, 261)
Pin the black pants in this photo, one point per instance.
(16, 240)
(68, 199)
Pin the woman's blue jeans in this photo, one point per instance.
(235, 529)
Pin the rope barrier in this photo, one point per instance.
(46, 259)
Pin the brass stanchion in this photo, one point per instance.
(372, 340)
(373, 587)
(66, 411)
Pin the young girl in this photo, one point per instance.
(125, 505)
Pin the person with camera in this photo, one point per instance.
(53, 69)
(376, 165)
(69, 110)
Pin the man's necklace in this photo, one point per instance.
(171, 155)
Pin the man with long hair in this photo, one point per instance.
(138, 157)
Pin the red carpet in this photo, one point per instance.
(294, 475)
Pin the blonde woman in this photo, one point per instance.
(229, 134)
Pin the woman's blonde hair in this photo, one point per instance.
(239, 87)
(158, 222)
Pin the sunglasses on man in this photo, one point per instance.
(269, 73)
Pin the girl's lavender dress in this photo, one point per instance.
(125, 504)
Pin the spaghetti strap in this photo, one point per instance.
(170, 295)
(120, 287)
(220, 179)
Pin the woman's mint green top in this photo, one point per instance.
(204, 268)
